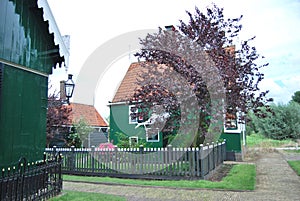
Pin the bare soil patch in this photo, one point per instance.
(221, 172)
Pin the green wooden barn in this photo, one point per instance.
(30, 46)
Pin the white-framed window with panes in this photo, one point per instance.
(152, 134)
(133, 115)
(232, 124)
(133, 141)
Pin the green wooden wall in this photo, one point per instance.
(27, 55)
(23, 116)
(119, 123)
(233, 141)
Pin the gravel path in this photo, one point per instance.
(275, 181)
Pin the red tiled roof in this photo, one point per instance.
(128, 84)
(88, 113)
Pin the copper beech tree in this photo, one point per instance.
(204, 54)
(58, 115)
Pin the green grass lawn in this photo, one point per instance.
(83, 196)
(295, 165)
(240, 177)
(293, 151)
(258, 140)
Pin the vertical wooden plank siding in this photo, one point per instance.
(27, 55)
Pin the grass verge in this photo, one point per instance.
(258, 140)
(295, 165)
(293, 151)
(240, 177)
(83, 196)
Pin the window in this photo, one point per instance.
(133, 141)
(152, 135)
(232, 124)
(231, 121)
(134, 116)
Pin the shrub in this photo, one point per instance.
(123, 141)
(283, 124)
(251, 126)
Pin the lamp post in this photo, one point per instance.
(69, 88)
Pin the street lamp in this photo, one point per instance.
(69, 87)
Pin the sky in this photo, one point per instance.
(91, 23)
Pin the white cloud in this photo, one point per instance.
(281, 90)
(275, 23)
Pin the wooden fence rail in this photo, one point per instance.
(152, 163)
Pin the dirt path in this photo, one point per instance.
(275, 181)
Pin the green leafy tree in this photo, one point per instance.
(251, 125)
(296, 97)
(81, 132)
(73, 139)
(284, 123)
(58, 115)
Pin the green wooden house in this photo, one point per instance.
(235, 135)
(30, 46)
(124, 118)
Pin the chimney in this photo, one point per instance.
(62, 91)
(170, 28)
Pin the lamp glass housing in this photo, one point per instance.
(69, 86)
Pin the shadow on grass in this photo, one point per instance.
(240, 177)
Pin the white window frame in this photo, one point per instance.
(240, 127)
(135, 120)
(133, 137)
(147, 137)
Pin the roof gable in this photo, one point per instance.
(128, 84)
